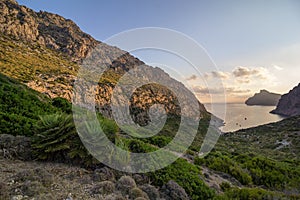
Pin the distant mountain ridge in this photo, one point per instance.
(289, 104)
(264, 98)
(44, 51)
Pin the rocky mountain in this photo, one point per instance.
(45, 50)
(50, 30)
(289, 104)
(263, 98)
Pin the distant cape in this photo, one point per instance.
(263, 98)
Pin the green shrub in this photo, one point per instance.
(187, 176)
(223, 163)
(20, 107)
(225, 186)
(273, 174)
(250, 193)
(62, 104)
(56, 139)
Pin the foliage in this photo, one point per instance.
(266, 140)
(272, 174)
(159, 141)
(220, 162)
(23, 61)
(109, 127)
(254, 170)
(63, 104)
(225, 186)
(187, 176)
(251, 193)
(56, 139)
(20, 107)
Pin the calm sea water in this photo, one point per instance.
(240, 116)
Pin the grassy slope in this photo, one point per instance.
(279, 141)
(24, 61)
(266, 157)
(20, 107)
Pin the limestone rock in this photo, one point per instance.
(289, 104)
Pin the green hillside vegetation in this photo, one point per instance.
(253, 170)
(24, 61)
(20, 107)
(279, 141)
(54, 138)
(265, 160)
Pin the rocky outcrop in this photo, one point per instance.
(44, 28)
(289, 104)
(263, 98)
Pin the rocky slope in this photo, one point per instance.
(44, 28)
(289, 104)
(45, 50)
(263, 98)
(37, 180)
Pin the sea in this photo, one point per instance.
(241, 116)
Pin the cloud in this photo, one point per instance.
(237, 84)
(206, 91)
(237, 90)
(278, 67)
(249, 75)
(242, 74)
(230, 90)
(245, 81)
(217, 74)
(192, 78)
(245, 71)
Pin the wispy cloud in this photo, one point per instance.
(192, 78)
(278, 67)
(245, 71)
(230, 90)
(238, 84)
(217, 74)
(248, 75)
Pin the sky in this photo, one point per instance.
(254, 44)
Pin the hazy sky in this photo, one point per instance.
(255, 44)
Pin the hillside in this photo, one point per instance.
(21, 106)
(225, 170)
(45, 51)
(42, 155)
(279, 140)
(289, 104)
(263, 98)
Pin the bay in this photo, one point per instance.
(241, 116)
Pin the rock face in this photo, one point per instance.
(263, 98)
(42, 29)
(289, 104)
